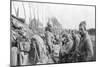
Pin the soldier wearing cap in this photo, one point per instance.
(49, 36)
(85, 47)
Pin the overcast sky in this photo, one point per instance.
(68, 15)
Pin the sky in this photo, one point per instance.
(69, 16)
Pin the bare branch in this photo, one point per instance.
(24, 10)
(30, 13)
(14, 9)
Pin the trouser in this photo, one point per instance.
(24, 58)
(14, 53)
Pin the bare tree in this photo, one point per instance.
(24, 10)
(14, 8)
(30, 18)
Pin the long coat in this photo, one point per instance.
(86, 47)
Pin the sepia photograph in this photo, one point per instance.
(43, 33)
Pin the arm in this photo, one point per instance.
(89, 47)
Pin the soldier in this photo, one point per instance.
(67, 45)
(49, 37)
(85, 47)
(56, 49)
(14, 51)
(76, 40)
(24, 48)
(41, 49)
(75, 49)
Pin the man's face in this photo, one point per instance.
(81, 30)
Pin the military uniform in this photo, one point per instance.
(43, 59)
(49, 40)
(86, 48)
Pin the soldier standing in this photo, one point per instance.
(49, 37)
(85, 47)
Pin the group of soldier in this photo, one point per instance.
(53, 48)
